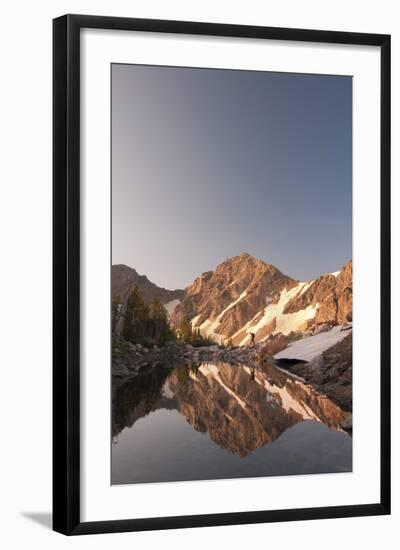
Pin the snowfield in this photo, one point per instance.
(285, 323)
(170, 306)
(312, 346)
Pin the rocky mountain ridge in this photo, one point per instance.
(245, 295)
(124, 278)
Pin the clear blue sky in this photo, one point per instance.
(208, 163)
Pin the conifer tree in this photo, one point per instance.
(159, 326)
(136, 316)
(115, 310)
(185, 329)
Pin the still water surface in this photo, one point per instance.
(216, 421)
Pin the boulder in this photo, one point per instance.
(331, 372)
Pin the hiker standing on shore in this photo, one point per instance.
(252, 339)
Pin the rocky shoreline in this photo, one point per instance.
(129, 359)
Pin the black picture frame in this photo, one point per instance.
(66, 273)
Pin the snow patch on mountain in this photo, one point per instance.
(170, 306)
(270, 312)
(290, 322)
(195, 320)
(285, 323)
(308, 348)
(306, 286)
(209, 326)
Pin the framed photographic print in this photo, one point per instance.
(221, 274)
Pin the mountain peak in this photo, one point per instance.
(235, 292)
(245, 262)
(240, 258)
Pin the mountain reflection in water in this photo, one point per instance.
(214, 421)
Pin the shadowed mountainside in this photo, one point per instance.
(124, 278)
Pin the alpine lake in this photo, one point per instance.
(207, 421)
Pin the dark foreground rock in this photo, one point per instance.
(331, 373)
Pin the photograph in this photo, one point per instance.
(200, 197)
(231, 276)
